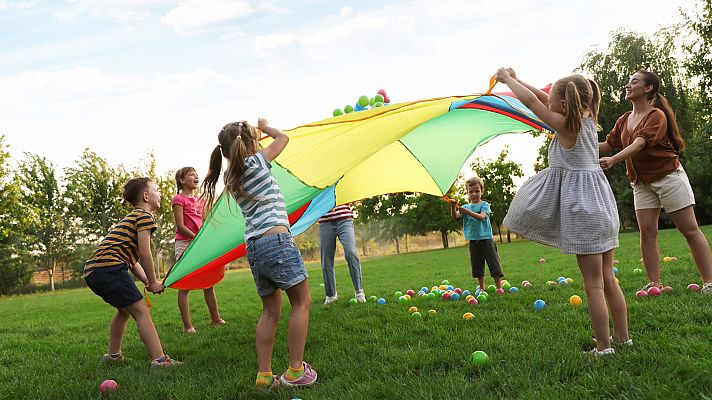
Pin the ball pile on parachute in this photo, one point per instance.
(364, 103)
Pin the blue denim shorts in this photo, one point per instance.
(276, 263)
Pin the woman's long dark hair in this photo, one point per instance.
(659, 101)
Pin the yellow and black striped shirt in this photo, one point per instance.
(120, 246)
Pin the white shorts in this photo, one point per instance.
(181, 245)
(673, 193)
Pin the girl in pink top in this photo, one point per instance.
(188, 214)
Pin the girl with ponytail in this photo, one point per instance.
(274, 258)
(651, 143)
(570, 204)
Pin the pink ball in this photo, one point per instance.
(410, 292)
(667, 289)
(499, 291)
(654, 291)
(615, 262)
(382, 92)
(542, 261)
(472, 301)
(694, 287)
(458, 290)
(108, 385)
(641, 293)
(524, 283)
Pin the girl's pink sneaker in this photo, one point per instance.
(307, 379)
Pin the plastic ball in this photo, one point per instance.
(337, 112)
(455, 296)
(667, 259)
(371, 101)
(654, 291)
(363, 101)
(491, 288)
(641, 293)
(673, 258)
(407, 297)
(348, 109)
(402, 299)
(478, 358)
(381, 301)
(412, 309)
(468, 316)
(373, 298)
(481, 298)
(524, 283)
(527, 285)
(694, 287)
(472, 301)
(446, 296)
(382, 92)
(615, 262)
(569, 280)
(450, 287)
(431, 295)
(469, 297)
(321, 284)
(458, 290)
(446, 282)
(615, 270)
(506, 286)
(398, 294)
(637, 271)
(442, 287)
(539, 305)
(465, 293)
(424, 289)
(542, 261)
(432, 312)
(499, 291)
(108, 385)
(575, 300)
(666, 289)
(353, 301)
(378, 98)
(416, 315)
(551, 283)
(513, 289)
(386, 99)
(410, 292)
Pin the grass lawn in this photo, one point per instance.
(50, 344)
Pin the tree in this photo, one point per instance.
(93, 196)
(44, 205)
(430, 213)
(389, 213)
(16, 268)
(611, 69)
(499, 185)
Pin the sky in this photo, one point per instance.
(124, 77)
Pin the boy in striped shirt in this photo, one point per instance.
(106, 272)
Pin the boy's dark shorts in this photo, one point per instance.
(481, 251)
(114, 285)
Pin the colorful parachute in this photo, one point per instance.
(418, 146)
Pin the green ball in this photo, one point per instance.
(402, 299)
(637, 271)
(481, 298)
(353, 301)
(379, 98)
(363, 101)
(431, 295)
(378, 104)
(506, 286)
(446, 282)
(416, 315)
(491, 288)
(399, 294)
(373, 298)
(371, 101)
(348, 109)
(478, 358)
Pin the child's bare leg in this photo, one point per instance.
(300, 299)
(687, 225)
(648, 225)
(481, 280)
(615, 298)
(184, 308)
(146, 330)
(212, 301)
(117, 329)
(592, 271)
(497, 281)
(267, 328)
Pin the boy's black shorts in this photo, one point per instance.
(481, 251)
(114, 285)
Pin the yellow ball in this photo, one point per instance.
(432, 312)
(468, 316)
(504, 281)
(412, 309)
(469, 296)
(443, 287)
(667, 259)
(575, 300)
(569, 280)
(407, 296)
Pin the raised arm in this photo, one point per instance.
(278, 144)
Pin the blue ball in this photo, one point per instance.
(424, 289)
(466, 293)
(615, 270)
(450, 287)
(455, 296)
(513, 289)
(381, 301)
(477, 292)
(539, 305)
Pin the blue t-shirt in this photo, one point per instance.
(473, 228)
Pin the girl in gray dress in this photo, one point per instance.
(570, 205)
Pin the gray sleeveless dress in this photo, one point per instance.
(569, 205)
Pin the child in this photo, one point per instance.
(570, 205)
(271, 251)
(651, 143)
(106, 272)
(478, 231)
(188, 214)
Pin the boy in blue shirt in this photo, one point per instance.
(478, 231)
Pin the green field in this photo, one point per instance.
(50, 344)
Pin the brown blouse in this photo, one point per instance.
(654, 161)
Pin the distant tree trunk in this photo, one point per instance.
(499, 230)
(363, 248)
(50, 270)
(397, 245)
(406, 242)
(509, 239)
(446, 243)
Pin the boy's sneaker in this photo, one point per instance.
(112, 358)
(165, 361)
(601, 353)
(706, 288)
(360, 296)
(307, 379)
(330, 299)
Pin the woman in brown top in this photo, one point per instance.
(651, 142)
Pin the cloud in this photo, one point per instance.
(10, 5)
(267, 42)
(124, 11)
(196, 16)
